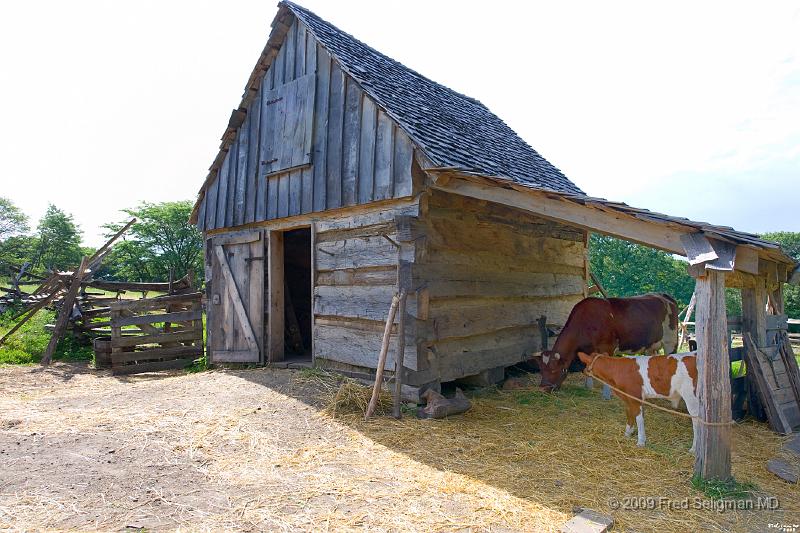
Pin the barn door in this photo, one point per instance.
(236, 302)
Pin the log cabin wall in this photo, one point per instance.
(355, 276)
(310, 141)
(488, 272)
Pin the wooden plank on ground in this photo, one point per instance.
(177, 352)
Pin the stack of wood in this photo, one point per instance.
(87, 314)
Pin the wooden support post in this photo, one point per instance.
(376, 389)
(275, 297)
(65, 312)
(713, 460)
(754, 322)
(400, 353)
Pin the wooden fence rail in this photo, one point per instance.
(161, 333)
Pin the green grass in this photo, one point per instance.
(28, 343)
(719, 490)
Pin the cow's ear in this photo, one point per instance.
(556, 356)
(586, 358)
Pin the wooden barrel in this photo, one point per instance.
(102, 352)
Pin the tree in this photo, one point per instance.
(627, 269)
(12, 220)
(790, 243)
(160, 240)
(58, 241)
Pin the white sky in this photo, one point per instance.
(692, 108)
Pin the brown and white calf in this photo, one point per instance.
(670, 377)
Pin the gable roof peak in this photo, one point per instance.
(454, 130)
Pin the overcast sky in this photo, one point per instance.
(687, 108)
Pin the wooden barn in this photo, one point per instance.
(343, 175)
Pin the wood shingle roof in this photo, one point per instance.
(452, 129)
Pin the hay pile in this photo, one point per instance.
(261, 450)
(568, 450)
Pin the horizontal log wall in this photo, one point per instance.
(355, 278)
(359, 155)
(488, 273)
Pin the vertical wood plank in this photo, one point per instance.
(231, 194)
(290, 44)
(241, 170)
(275, 279)
(222, 191)
(283, 195)
(350, 142)
(307, 174)
(403, 152)
(295, 191)
(311, 53)
(335, 123)
(321, 128)
(253, 183)
(366, 160)
(713, 460)
(300, 52)
(384, 155)
(211, 201)
(201, 213)
(256, 297)
(278, 66)
(313, 285)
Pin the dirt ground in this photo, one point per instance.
(252, 450)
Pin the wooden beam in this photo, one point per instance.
(713, 459)
(65, 312)
(275, 297)
(663, 237)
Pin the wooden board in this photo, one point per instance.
(235, 304)
(314, 126)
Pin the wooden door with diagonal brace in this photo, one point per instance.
(236, 298)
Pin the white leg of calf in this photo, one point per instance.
(695, 428)
(642, 438)
(628, 430)
(693, 406)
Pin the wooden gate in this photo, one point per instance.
(236, 298)
(160, 333)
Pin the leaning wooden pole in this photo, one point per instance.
(65, 312)
(399, 358)
(713, 459)
(376, 390)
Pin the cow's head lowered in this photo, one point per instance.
(553, 367)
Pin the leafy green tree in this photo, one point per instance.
(627, 269)
(790, 242)
(58, 241)
(12, 220)
(160, 240)
(15, 246)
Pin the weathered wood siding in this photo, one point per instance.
(355, 277)
(358, 154)
(487, 273)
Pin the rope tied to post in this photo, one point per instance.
(588, 373)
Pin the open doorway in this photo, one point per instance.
(297, 294)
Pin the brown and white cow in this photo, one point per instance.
(671, 377)
(639, 324)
